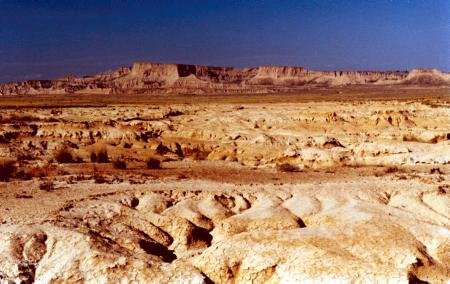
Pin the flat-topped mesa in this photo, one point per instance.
(144, 77)
(360, 77)
(292, 76)
(281, 71)
(225, 75)
(278, 75)
(157, 71)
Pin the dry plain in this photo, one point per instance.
(342, 184)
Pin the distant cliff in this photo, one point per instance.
(184, 79)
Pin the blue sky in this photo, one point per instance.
(49, 39)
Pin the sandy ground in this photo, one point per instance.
(246, 190)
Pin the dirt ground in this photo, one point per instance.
(343, 184)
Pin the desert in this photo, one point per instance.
(225, 142)
(301, 183)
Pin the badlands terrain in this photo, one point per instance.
(157, 78)
(347, 184)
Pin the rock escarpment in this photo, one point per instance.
(187, 79)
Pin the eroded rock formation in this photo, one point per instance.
(310, 192)
(181, 79)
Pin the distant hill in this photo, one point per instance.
(197, 79)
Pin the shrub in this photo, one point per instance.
(25, 157)
(47, 185)
(286, 167)
(64, 156)
(391, 170)
(40, 171)
(153, 163)
(162, 150)
(436, 171)
(18, 118)
(119, 164)
(443, 189)
(7, 169)
(197, 154)
(93, 157)
(24, 175)
(181, 176)
(6, 137)
(98, 178)
(172, 112)
(100, 156)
